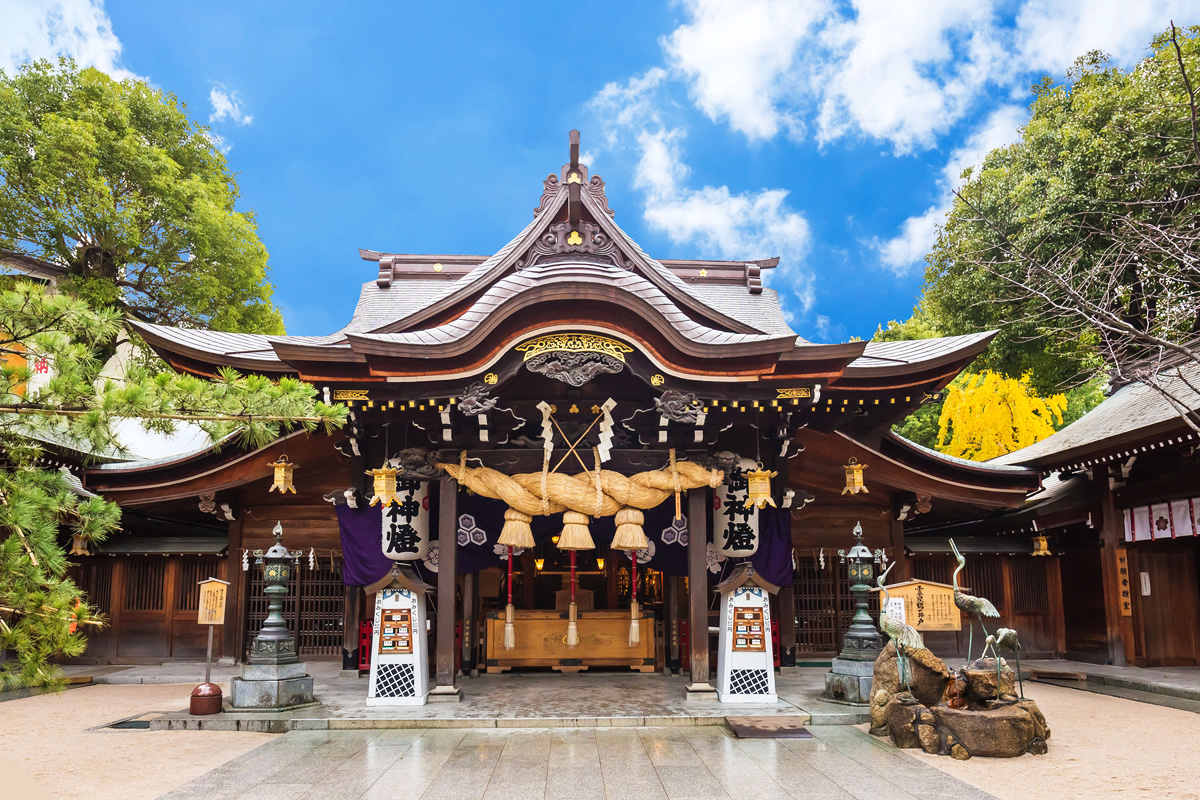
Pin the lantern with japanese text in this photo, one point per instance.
(737, 534)
(405, 522)
(758, 488)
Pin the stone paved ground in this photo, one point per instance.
(574, 764)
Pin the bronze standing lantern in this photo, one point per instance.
(274, 643)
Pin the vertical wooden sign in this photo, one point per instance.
(1124, 590)
(212, 601)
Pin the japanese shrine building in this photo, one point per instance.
(568, 350)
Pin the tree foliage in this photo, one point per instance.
(1080, 241)
(42, 613)
(113, 182)
(987, 415)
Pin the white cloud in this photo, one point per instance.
(740, 59)
(721, 223)
(918, 233)
(227, 105)
(903, 72)
(1052, 35)
(78, 29)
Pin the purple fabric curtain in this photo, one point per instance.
(773, 560)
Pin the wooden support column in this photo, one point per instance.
(697, 514)
(350, 616)
(468, 635)
(235, 596)
(447, 580)
(787, 626)
(1119, 629)
(903, 569)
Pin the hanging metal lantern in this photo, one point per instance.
(854, 478)
(79, 546)
(758, 488)
(385, 484)
(1040, 546)
(283, 475)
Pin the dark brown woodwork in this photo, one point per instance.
(447, 562)
(235, 593)
(698, 584)
(469, 624)
(1118, 629)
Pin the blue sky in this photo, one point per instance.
(828, 133)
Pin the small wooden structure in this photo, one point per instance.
(541, 641)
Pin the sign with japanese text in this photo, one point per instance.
(928, 606)
(1124, 590)
(737, 535)
(405, 531)
(212, 601)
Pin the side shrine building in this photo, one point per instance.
(575, 392)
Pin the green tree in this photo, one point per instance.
(42, 613)
(114, 183)
(1079, 241)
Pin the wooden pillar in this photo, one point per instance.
(903, 569)
(698, 588)
(350, 617)
(468, 625)
(447, 580)
(235, 596)
(1119, 629)
(671, 620)
(787, 626)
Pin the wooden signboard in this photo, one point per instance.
(396, 636)
(748, 630)
(928, 606)
(212, 601)
(1124, 593)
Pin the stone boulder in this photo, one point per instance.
(928, 678)
(981, 680)
(1003, 731)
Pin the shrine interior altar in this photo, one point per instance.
(541, 641)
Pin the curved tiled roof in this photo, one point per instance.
(902, 356)
(1130, 412)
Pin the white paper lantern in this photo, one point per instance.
(405, 529)
(735, 527)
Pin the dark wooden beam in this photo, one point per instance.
(1118, 629)
(698, 586)
(447, 557)
(469, 624)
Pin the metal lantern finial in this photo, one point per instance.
(758, 488)
(385, 484)
(283, 475)
(854, 477)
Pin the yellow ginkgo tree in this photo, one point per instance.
(986, 415)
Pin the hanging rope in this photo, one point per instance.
(675, 485)
(552, 493)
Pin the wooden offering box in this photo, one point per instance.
(541, 641)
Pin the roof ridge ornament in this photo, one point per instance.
(573, 173)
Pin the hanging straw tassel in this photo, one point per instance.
(510, 632)
(516, 531)
(635, 634)
(575, 534)
(629, 535)
(572, 609)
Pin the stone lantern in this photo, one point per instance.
(850, 679)
(275, 679)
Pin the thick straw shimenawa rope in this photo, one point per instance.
(522, 492)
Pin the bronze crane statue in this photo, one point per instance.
(980, 607)
(906, 637)
(1006, 638)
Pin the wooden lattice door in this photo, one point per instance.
(313, 608)
(823, 606)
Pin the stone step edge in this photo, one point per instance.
(258, 725)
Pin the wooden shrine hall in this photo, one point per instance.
(644, 426)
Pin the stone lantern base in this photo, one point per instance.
(273, 687)
(849, 681)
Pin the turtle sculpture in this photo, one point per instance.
(979, 607)
(906, 637)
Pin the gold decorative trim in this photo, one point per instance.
(798, 392)
(350, 394)
(657, 380)
(574, 343)
(491, 379)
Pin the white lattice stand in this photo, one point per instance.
(399, 647)
(745, 665)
